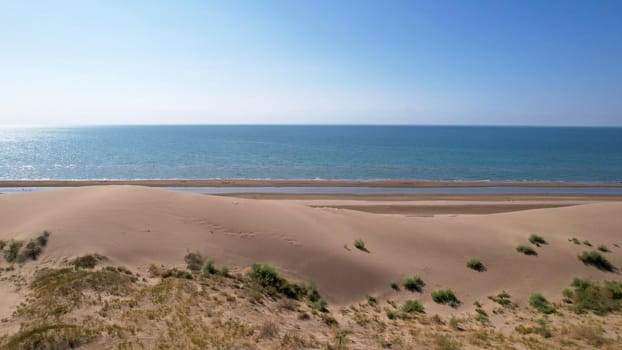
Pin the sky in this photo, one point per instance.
(436, 62)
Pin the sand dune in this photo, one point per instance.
(137, 226)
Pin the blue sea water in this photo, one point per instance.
(309, 152)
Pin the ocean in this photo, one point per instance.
(312, 152)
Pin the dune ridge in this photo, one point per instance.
(138, 226)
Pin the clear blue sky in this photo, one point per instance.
(407, 62)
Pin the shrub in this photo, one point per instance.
(371, 300)
(12, 251)
(597, 260)
(414, 284)
(209, 268)
(445, 296)
(2, 244)
(481, 315)
(360, 245)
(503, 299)
(536, 240)
(267, 278)
(320, 305)
(86, 261)
(587, 243)
(30, 252)
(194, 261)
(526, 250)
(224, 271)
(539, 302)
(476, 265)
(42, 239)
(603, 248)
(174, 273)
(600, 298)
(574, 240)
(412, 306)
(395, 286)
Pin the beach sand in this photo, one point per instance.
(311, 240)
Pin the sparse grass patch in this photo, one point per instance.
(269, 280)
(597, 260)
(539, 302)
(360, 245)
(537, 240)
(587, 243)
(481, 316)
(526, 250)
(574, 240)
(446, 342)
(413, 306)
(445, 296)
(414, 284)
(476, 264)
(591, 334)
(600, 298)
(371, 300)
(320, 305)
(395, 286)
(503, 299)
(51, 336)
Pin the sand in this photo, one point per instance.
(137, 226)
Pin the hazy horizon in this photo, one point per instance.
(484, 63)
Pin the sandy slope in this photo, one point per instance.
(137, 226)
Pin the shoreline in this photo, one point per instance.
(304, 183)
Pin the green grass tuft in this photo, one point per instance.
(360, 245)
(412, 306)
(603, 248)
(414, 284)
(537, 240)
(445, 296)
(539, 302)
(476, 264)
(526, 250)
(602, 298)
(597, 260)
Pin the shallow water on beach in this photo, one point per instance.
(310, 152)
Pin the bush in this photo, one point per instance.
(30, 252)
(194, 261)
(209, 268)
(174, 273)
(587, 243)
(574, 240)
(476, 265)
(12, 251)
(503, 299)
(320, 305)
(371, 300)
(360, 245)
(2, 244)
(597, 260)
(603, 248)
(412, 306)
(536, 239)
(539, 302)
(395, 286)
(445, 296)
(86, 261)
(526, 250)
(414, 284)
(600, 298)
(42, 239)
(267, 278)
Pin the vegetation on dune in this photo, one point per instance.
(587, 243)
(17, 251)
(269, 280)
(413, 306)
(503, 299)
(51, 336)
(476, 264)
(395, 286)
(194, 261)
(445, 296)
(371, 300)
(537, 240)
(87, 261)
(539, 302)
(600, 298)
(574, 240)
(597, 260)
(414, 284)
(360, 245)
(12, 250)
(526, 250)
(603, 248)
